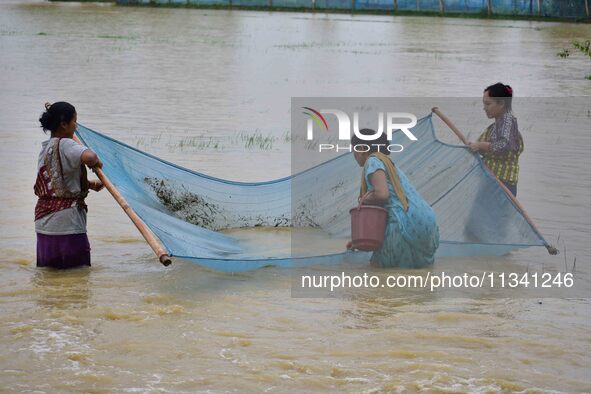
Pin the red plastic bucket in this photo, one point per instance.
(368, 226)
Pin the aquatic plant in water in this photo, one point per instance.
(251, 140)
(581, 46)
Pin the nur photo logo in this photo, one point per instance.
(394, 121)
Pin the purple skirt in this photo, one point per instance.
(63, 251)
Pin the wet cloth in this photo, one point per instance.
(412, 236)
(506, 146)
(63, 251)
(61, 186)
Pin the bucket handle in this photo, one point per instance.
(362, 199)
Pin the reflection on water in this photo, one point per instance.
(145, 76)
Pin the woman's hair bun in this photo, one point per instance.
(55, 114)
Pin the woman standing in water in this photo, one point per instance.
(61, 187)
(501, 143)
(412, 234)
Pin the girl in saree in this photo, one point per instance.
(412, 234)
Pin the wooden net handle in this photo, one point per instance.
(551, 249)
(150, 238)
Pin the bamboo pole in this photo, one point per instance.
(448, 122)
(150, 238)
(587, 8)
(395, 5)
(489, 7)
(441, 7)
(539, 7)
(551, 249)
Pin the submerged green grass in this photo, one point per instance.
(251, 140)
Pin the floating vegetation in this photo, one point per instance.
(255, 140)
(147, 141)
(198, 143)
(583, 47)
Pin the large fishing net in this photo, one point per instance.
(197, 217)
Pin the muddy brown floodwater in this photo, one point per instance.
(156, 78)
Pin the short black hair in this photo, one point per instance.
(55, 114)
(373, 145)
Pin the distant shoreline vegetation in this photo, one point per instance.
(569, 10)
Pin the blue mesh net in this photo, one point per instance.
(548, 8)
(188, 210)
(337, 4)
